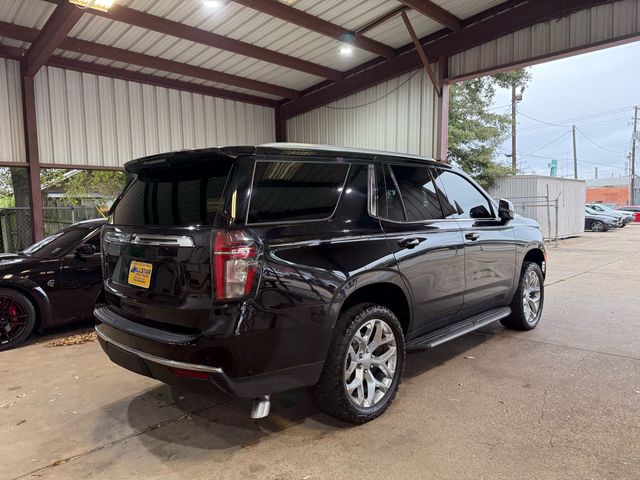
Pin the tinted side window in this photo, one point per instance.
(285, 191)
(411, 195)
(389, 201)
(94, 240)
(461, 198)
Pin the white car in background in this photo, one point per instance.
(626, 217)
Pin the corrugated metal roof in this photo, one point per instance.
(247, 25)
(603, 23)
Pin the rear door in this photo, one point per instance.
(157, 262)
(490, 248)
(428, 248)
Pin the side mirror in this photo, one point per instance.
(86, 249)
(506, 211)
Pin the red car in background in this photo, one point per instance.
(635, 209)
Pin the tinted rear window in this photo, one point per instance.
(174, 196)
(288, 191)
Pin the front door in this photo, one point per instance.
(429, 249)
(490, 248)
(80, 283)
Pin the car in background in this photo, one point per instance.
(606, 210)
(616, 219)
(599, 223)
(633, 209)
(53, 282)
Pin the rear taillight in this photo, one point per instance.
(234, 264)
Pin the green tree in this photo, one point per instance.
(81, 183)
(475, 132)
(515, 78)
(106, 183)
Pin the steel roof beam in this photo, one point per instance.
(26, 34)
(509, 17)
(15, 53)
(315, 24)
(59, 24)
(140, 19)
(435, 12)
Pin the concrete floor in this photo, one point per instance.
(560, 402)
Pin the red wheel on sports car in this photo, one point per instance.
(17, 318)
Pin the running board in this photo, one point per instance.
(456, 330)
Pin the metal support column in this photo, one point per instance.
(281, 125)
(442, 143)
(31, 139)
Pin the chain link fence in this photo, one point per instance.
(15, 229)
(15, 224)
(544, 210)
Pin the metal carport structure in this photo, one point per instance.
(85, 89)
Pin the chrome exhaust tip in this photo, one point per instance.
(261, 407)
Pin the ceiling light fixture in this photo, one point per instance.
(212, 3)
(102, 5)
(345, 49)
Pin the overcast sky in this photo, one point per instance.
(594, 91)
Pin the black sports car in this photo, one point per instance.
(53, 282)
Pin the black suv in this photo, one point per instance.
(263, 269)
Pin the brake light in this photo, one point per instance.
(234, 264)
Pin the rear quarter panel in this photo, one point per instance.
(307, 271)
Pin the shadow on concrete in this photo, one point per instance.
(210, 421)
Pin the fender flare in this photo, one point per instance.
(364, 279)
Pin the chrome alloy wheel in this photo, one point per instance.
(531, 295)
(370, 364)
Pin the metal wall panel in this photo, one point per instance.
(92, 120)
(615, 21)
(398, 115)
(12, 147)
(528, 194)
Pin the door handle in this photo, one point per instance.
(471, 236)
(409, 242)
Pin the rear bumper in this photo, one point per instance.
(174, 363)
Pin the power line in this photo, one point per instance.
(597, 144)
(542, 121)
(560, 123)
(547, 144)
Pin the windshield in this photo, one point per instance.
(58, 243)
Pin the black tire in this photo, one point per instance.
(518, 320)
(15, 307)
(597, 226)
(330, 393)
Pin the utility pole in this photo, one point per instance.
(633, 156)
(514, 99)
(596, 173)
(575, 155)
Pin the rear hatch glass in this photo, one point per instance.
(158, 242)
(185, 196)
